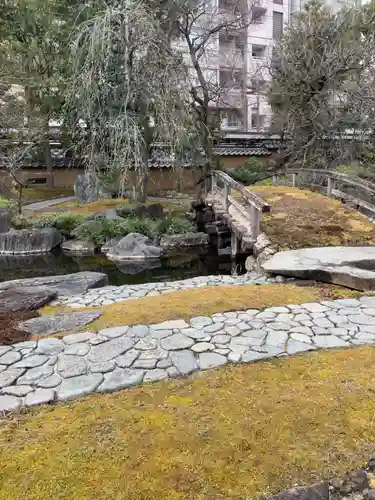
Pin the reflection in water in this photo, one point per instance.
(176, 267)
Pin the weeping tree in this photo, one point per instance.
(127, 90)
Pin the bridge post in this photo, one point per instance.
(213, 184)
(330, 186)
(275, 180)
(294, 180)
(234, 243)
(227, 190)
(255, 222)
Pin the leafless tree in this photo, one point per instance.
(322, 93)
(203, 27)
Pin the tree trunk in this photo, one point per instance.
(48, 156)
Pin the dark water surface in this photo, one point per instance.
(185, 265)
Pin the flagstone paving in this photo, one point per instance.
(51, 370)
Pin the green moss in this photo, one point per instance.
(208, 300)
(240, 431)
(300, 219)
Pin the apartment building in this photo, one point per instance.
(236, 58)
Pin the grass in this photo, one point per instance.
(32, 194)
(301, 219)
(236, 432)
(107, 203)
(206, 301)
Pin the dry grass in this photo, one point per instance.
(206, 301)
(235, 432)
(107, 203)
(34, 194)
(301, 219)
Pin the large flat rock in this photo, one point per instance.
(64, 285)
(47, 325)
(20, 299)
(353, 267)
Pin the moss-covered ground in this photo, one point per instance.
(301, 219)
(206, 301)
(235, 432)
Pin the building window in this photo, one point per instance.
(279, 2)
(277, 25)
(230, 79)
(257, 86)
(231, 118)
(258, 51)
(257, 120)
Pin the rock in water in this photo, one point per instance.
(65, 285)
(29, 241)
(184, 240)
(134, 246)
(78, 247)
(353, 267)
(86, 188)
(4, 220)
(20, 299)
(47, 325)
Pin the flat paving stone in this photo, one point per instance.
(17, 390)
(75, 338)
(120, 379)
(39, 397)
(127, 359)
(79, 386)
(31, 361)
(114, 332)
(170, 325)
(301, 338)
(47, 325)
(50, 347)
(105, 367)
(250, 356)
(9, 376)
(176, 341)
(211, 360)
(202, 347)
(9, 403)
(80, 349)
(71, 366)
(139, 331)
(200, 322)
(295, 346)
(360, 319)
(10, 357)
(184, 361)
(277, 338)
(155, 375)
(34, 375)
(325, 341)
(110, 350)
(49, 382)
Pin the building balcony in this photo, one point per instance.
(231, 58)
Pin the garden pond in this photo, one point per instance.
(197, 262)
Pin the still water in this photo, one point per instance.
(185, 265)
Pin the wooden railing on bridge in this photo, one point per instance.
(333, 179)
(241, 208)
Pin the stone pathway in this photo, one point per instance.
(41, 205)
(112, 294)
(50, 370)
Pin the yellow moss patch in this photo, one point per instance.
(312, 220)
(31, 195)
(235, 432)
(206, 301)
